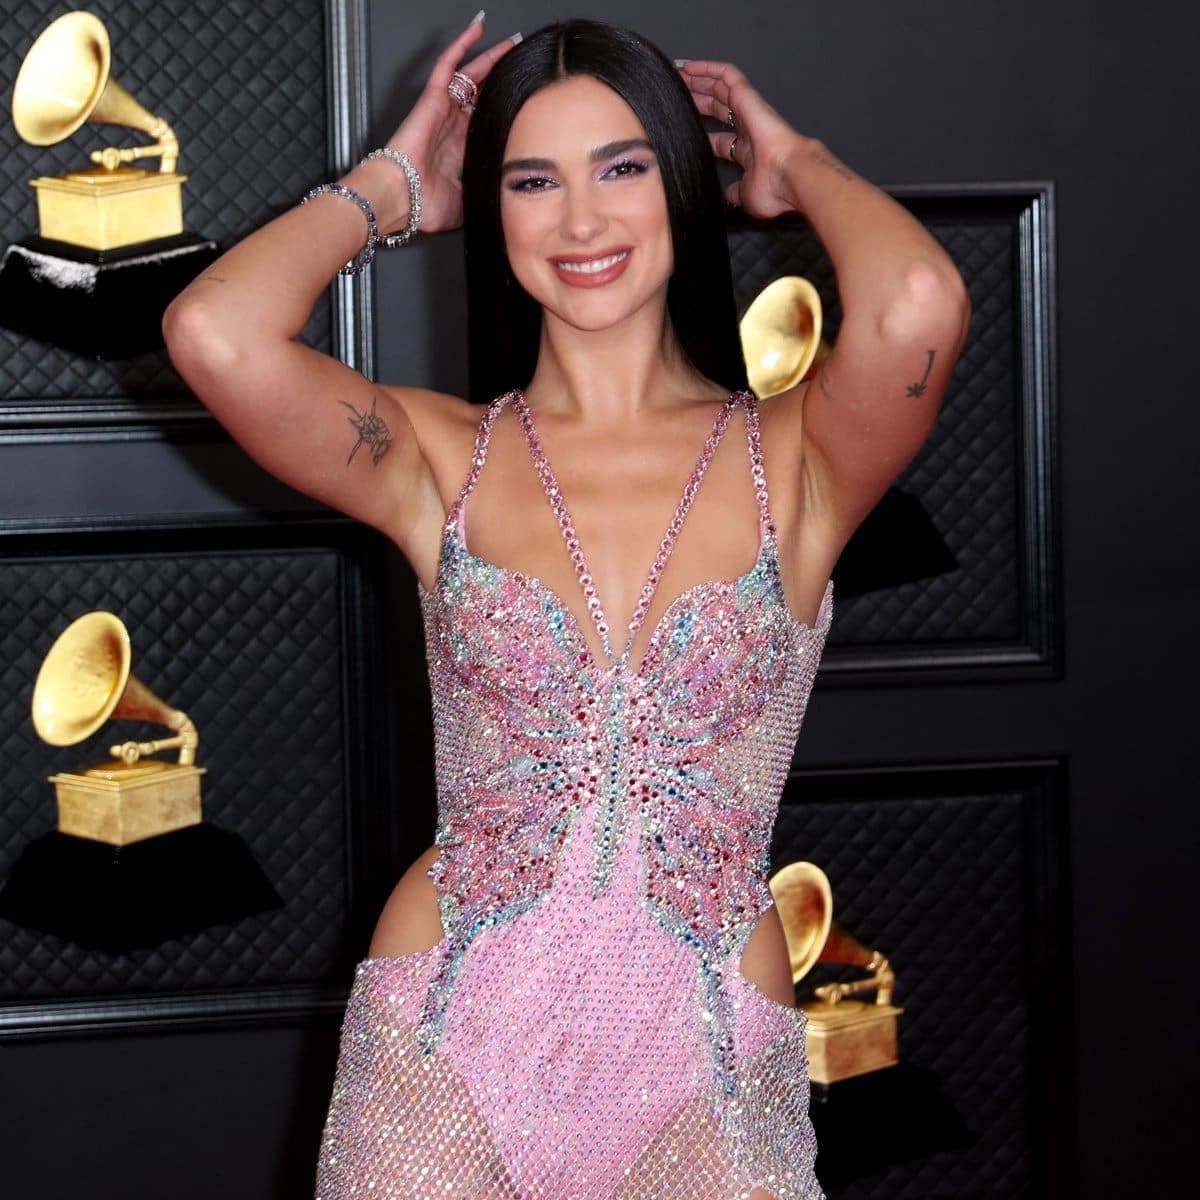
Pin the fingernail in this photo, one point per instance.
(517, 39)
(682, 62)
(477, 17)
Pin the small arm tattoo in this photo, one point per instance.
(918, 388)
(214, 278)
(833, 164)
(372, 431)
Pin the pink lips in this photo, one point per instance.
(592, 270)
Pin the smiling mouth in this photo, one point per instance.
(592, 266)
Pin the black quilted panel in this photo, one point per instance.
(942, 881)
(967, 475)
(247, 643)
(243, 86)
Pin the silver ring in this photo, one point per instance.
(732, 148)
(732, 122)
(464, 89)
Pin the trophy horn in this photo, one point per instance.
(844, 1037)
(804, 899)
(65, 80)
(85, 680)
(781, 335)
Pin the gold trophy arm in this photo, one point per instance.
(138, 703)
(130, 752)
(882, 978)
(167, 145)
(188, 738)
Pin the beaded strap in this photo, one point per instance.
(575, 549)
(362, 259)
(483, 435)
(757, 472)
(673, 529)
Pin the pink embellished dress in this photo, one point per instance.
(583, 1030)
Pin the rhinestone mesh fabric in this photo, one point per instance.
(583, 1030)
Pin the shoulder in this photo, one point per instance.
(428, 409)
(445, 427)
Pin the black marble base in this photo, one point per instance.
(880, 1120)
(105, 304)
(122, 898)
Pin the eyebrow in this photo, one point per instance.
(608, 150)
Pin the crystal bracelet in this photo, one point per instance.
(392, 240)
(363, 258)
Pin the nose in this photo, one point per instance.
(582, 215)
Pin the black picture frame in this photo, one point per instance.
(143, 414)
(911, 607)
(959, 872)
(358, 844)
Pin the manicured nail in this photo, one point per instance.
(477, 17)
(517, 39)
(682, 62)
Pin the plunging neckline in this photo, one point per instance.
(558, 503)
(455, 526)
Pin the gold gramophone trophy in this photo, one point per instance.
(781, 335)
(845, 1037)
(85, 681)
(111, 250)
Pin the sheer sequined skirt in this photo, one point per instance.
(573, 1062)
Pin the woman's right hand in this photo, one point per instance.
(434, 134)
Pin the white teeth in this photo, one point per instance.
(596, 264)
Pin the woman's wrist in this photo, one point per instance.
(807, 164)
(385, 185)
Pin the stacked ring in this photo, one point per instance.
(732, 148)
(464, 89)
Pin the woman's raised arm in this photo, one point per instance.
(905, 307)
(302, 415)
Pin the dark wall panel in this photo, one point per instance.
(236, 82)
(942, 93)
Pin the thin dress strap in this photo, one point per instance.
(757, 472)
(567, 526)
(478, 457)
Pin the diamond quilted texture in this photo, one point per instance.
(247, 643)
(941, 884)
(967, 476)
(243, 86)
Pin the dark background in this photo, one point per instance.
(933, 93)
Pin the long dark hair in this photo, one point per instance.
(504, 322)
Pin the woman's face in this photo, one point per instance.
(583, 208)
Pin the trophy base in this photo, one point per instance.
(120, 805)
(105, 304)
(105, 210)
(119, 899)
(874, 1123)
(850, 1038)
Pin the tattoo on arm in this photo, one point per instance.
(372, 431)
(214, 278)
(833, 164)
(918, 388)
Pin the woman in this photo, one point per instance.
(582, 990)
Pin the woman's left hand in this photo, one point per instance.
(760, 137)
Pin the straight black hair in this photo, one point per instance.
(503, 321)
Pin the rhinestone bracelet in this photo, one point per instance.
(392, 240)
(363, 258)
